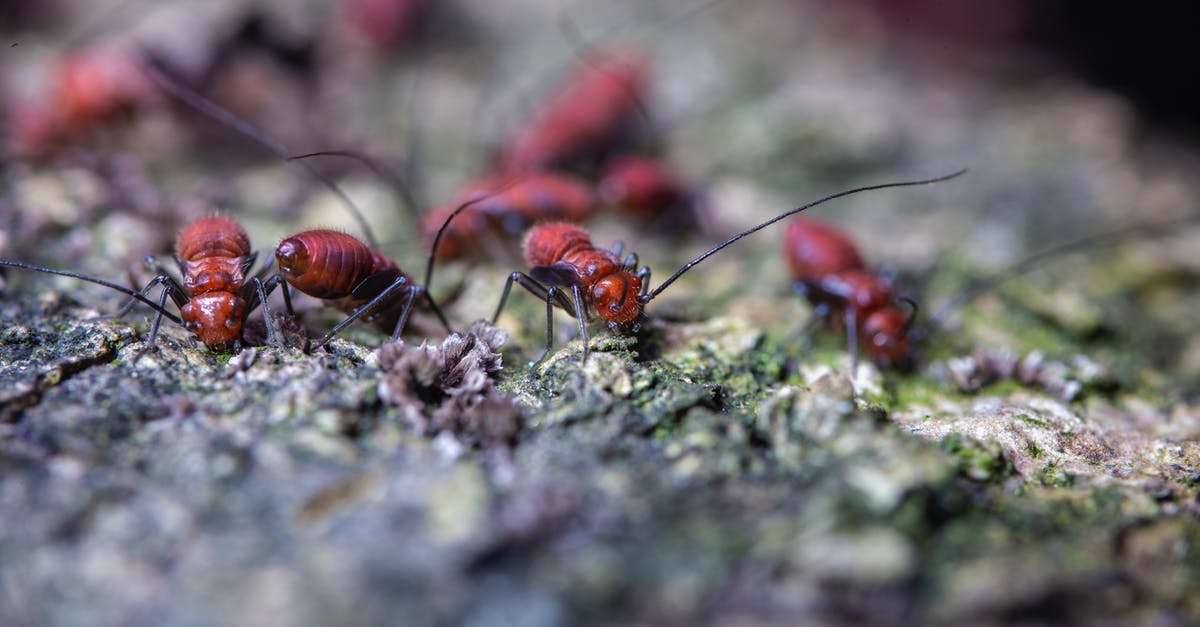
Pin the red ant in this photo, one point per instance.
(641, 185)
(326, 264)
(568, 271)
(508, 208)
(214, 297)
(647, 188)
(347, 273)
(93, 87)
(830, 272)
(585, 121)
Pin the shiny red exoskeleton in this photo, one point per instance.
(501, 209)
(608, 284)
(214, 255)
(214, 297)
(593, 114)
(830, 272)
(338, 268)
(567, 270)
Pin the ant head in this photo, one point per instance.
(886, 334)
(216, 318)
(292, 257)
(617, 298)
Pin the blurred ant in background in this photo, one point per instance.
(829, 272)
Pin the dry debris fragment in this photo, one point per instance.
(1066, 380)
(450, 388)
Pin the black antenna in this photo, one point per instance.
(688, 266)
(393, 178)
(912, 315)
(83, 277)
(980, 286)
(437, 239)
(156, 69)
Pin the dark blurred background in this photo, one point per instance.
(1147, 51)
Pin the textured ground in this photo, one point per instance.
(1041, 465)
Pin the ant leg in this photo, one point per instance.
(158, 316)
(408, 305)
(164, 279)
(397, 284)
(631, 262)
(912, 316)
(152, 262)
(551, 294)
(582, 325)
(272, 334)
(527, 282)
(287, 298)
(255, 292)
(504, 295)
(644, 275)
(127, 307)
(820, 312)
(821, 309)
(618, 248)
(162, 301)
(177, 295)
(568, 305)
(852, 337)
(436, 310)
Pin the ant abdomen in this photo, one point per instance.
(548, 244)
(814, 250)
(327, 264)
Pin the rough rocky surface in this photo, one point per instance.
(1040, 466)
